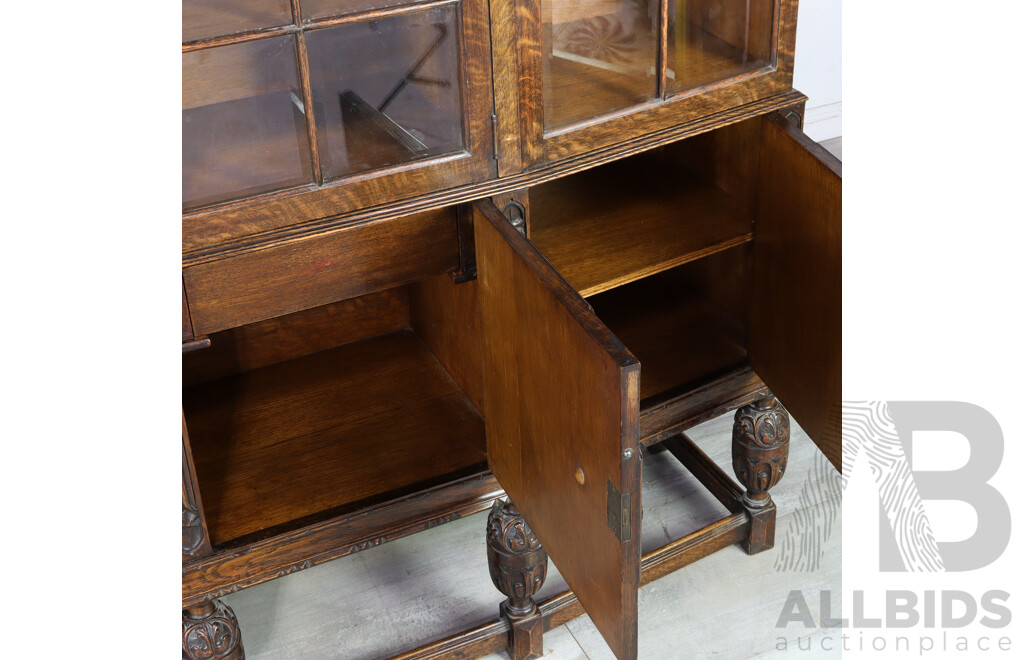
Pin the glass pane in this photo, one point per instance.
(312, 9)
(243, 130)
(599, 56)
(202, 19)
(386, 91)
(712, 40)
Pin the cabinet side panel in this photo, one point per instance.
(195, 537)
(562, 403)
(446, 316)
(796, 312)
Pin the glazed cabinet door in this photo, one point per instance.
(295, 111)
(796, 318)
(561, 410)
(594, 73)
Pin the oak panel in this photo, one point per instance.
(680, 338)
(625, 221)
(796, 317)
(321, 269)
(295, 335)
(285, 444)
(447, 317)
(562, 402)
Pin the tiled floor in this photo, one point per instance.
(404, 594)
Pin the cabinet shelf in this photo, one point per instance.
(682, 341)
(599, 238)
(294, 442)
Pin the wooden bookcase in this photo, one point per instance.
(436, 254)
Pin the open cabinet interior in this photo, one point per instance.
(327, 411)
(660, 245)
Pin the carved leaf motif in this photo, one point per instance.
(210, 638)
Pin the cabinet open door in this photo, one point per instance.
(561, 409)
(796, 314)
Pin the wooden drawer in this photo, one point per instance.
(751, 214)
(318, 270)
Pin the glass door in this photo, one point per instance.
(327, 106)
(612, 70)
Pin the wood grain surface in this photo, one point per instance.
(562, 401)
(286, 337)
(447, 317)
(630, 219)
(680, 337)
(367, 421)
(796, 319)
(319, 270)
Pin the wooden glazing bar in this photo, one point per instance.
(662, 49)
(707, 472)
(376, 14)
(358, 17)
(307, 101)
(240, 37)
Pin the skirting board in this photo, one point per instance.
(824, 122)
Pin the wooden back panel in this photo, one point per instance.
(796, 334)
(562, 405)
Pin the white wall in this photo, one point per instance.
(819, 66)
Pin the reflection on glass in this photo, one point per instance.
(386, 91)
(202, 19)
(243, 128)
(712, 40)
(599, 57)
(312, 9)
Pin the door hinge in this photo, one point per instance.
(516, 214)
(494, 134)
(618, 512)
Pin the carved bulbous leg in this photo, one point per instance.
(518, 566)
(209, 631)
(760, 450)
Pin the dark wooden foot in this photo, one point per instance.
(518, 566)
(209, 631)
(760, 449)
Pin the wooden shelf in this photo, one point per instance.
(327, 433)
(621, 222)
(681, 340)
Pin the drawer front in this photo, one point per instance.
(562, 404)
(319, 270)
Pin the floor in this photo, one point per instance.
(404, 594)
(430, 585)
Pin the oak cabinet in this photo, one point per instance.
(509, 247)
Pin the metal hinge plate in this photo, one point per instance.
(494, 136)
(618, 512)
